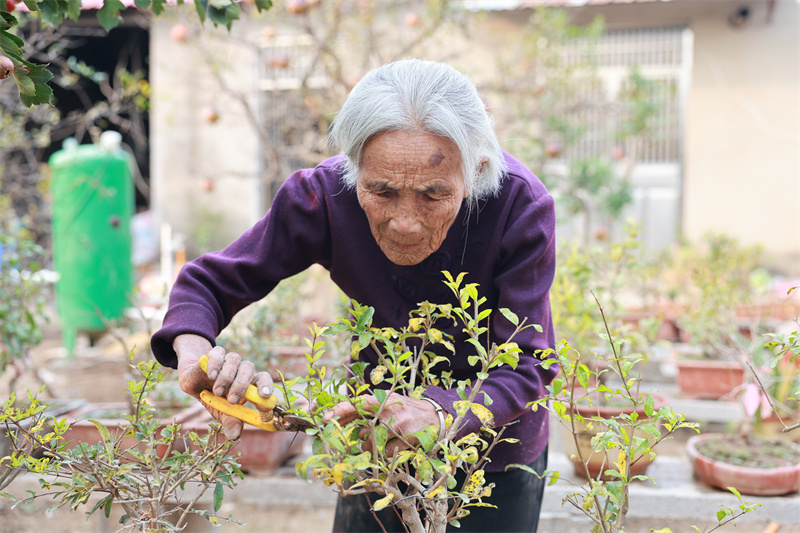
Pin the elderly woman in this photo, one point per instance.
(422, 186)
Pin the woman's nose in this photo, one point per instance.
(403, 220)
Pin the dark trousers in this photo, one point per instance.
(517, 495)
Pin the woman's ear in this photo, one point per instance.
(482, 164)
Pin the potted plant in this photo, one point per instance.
(709, 284)
(137, 472)
(752, 463)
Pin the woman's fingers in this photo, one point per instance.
(245, 373)
(263, 382)
(231, 426)
(216, 358)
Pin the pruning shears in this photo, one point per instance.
(267, 415)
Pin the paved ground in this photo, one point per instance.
(284, 503)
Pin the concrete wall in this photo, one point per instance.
(205, 176)
(743, 133)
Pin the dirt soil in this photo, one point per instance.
(751, 452)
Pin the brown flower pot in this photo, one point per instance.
(753, 481)
(111, 415)
(260, 452)
(709, 380)
(597, 463)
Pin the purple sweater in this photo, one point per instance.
(506, 245)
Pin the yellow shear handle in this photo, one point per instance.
(241, 412)
(245, 414)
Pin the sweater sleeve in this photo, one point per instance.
(522, 279)
(209, 291)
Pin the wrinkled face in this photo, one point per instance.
(411, 187)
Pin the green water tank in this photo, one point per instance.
(93, 202)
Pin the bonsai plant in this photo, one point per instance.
(756, 464)
(427, 465)
(611, 449)
(137, 468)
(418, 480)
(709, 284)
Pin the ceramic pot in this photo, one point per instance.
(752, 481)
(259, 452)
(111, 415)
(709, 380)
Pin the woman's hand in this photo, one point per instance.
(228, 376)
(402, 414)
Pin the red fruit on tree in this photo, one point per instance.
(601, 234)
(6, 67)
(210, 114)
(279, 61)
(412, 19)
(179, 33)
(553, 148)
(11, 5)
(296, 7)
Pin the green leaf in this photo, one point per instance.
(51, 12)
(649, 405)
(73, 9)
(7, 20)
(380, 395)
(142, 4)
(263, 5)
(510, 316)
(24, 83)
(721, 514)
(105, 434)
(158, 6)
(218, 493)
(108, 15)
(427, 437)
(102, 503)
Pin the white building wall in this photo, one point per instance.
(743, 132)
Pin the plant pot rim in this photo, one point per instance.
(694, 453)
(705, 363)
(187, 413)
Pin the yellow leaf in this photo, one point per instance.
(415, 323)
(376, 376)
(483, 414)
(355, 349)
(383, 502)
(438, 491)
(473, 486)
(471, 455)
(622, 462)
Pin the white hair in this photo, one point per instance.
(416, 95)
